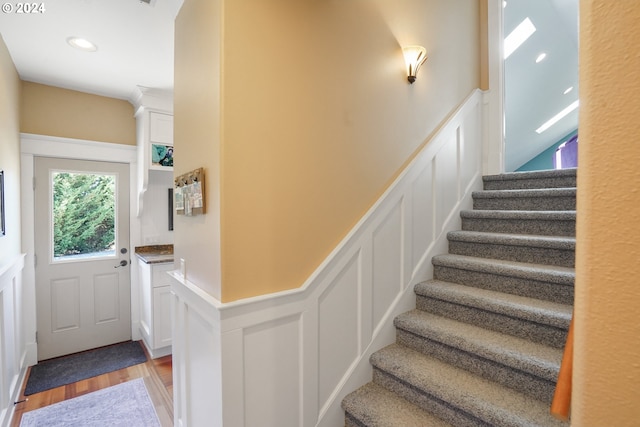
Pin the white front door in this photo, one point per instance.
(82, 255)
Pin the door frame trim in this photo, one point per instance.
(32, 145)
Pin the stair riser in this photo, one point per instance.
(527, 184)
(536, 332)
(538, 227)
(525, 203)
(535, 255)
(527, 287)
(420, 398)
(521, 381)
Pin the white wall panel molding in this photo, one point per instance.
(13, 341)
(288, 359)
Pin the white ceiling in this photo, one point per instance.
(135, 48)
(534, 92)
(134, 39)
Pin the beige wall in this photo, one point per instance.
(316, 120)
(48, 110)
(607, 336)
(10, 153)
(197, 130)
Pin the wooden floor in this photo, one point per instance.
(157, 375)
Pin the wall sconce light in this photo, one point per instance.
(414, 57)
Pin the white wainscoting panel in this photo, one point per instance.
(422, 215)
(273, 362)
(288, 359)
(338, 322)
(13, 348)
(387, 244)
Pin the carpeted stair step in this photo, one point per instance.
(550, 283)
(539, 321)
(374, 406)
(456, 395)
(550, 250)
(548, 199)
(523, 365)
(535, 179)
(548, 223)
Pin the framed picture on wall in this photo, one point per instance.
(2, 208)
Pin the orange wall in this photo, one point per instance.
(607, 336)
(319, 118)
(316, 119)
(48, 110)
(10, 153)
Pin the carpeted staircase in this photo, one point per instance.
(484, 345)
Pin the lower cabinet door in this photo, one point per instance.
(162, 316)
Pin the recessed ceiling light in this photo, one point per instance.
(504, 3)
(519, 35)
(82, 44)
(541, 57)
(567, 90)
(552, 121)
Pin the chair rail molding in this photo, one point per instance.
(289, 358)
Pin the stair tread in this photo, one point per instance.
(566, 215)
(493, 403)
(551, 273)
(526, 308)
(526, 192)
(530, 240)
(551, 173)
(375, 406)
(517, 353)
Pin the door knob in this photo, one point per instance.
(123, 263)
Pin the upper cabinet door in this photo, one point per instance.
(161, 129)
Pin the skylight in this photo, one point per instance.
(558, 117)
(519, 35)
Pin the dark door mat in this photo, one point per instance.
(65, 370)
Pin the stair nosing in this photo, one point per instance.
(525, 192)
(393, 399)
(491, 401)
(513, 239)
(541, 361)
(563, 215)
(554, 274)
(541, 174)
(515, 306)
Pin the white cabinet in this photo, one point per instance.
(154, 131)
(160, 141)
(155, 307)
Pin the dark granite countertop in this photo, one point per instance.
(155, 254)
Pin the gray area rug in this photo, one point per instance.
(65, 370)
(123, 405)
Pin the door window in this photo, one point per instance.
(84, 215)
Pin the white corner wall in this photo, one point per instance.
(288, 359)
